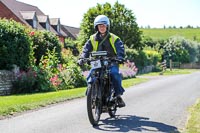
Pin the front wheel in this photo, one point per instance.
(93, 103)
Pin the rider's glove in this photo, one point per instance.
(80, 62)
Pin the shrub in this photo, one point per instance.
(47, 71)
(15, 45)
(128, 70)
(24, 82)
(72, 74)
(43, 41)
(143, 58)
(153, 57)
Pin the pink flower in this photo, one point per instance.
(32, 33)
(55, 80)
(60, 67)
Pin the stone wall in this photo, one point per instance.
(146, 69)
(6, 78)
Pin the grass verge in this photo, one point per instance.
(193, 125)
(10, 105)
(172, 72)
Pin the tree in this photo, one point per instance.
(148, 41)
(122, 21)
(174, 50)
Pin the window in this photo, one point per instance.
(47, 26)
(34, 23)
(58, 28)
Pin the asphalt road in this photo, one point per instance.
(159, 105)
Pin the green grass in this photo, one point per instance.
(193, 125)
(10, 105)
(172, 72)
(131, 82)
(19, 103)
(156, 34)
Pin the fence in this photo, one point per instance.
(190, 66)
(186, 65)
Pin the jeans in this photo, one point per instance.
(115, 79)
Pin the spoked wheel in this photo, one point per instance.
(93, 104)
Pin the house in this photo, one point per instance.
(72, 32)
(32, 16)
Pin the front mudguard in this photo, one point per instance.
(90, 80)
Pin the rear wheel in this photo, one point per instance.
(93, 103)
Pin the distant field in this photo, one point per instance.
(192, 34)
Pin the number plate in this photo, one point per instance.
(95, 64)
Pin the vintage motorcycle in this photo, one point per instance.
(100, 92)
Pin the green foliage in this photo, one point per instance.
(19, 45)
(138, 57)
(47, 72)
(192, 48)
(153, 57)
(123, 24)
(72, 75)
(53, 76)
(131, 54)
(143, 58)
(15, 45)
(122, 21)
(72, 46)
(43, 41)
(177, 49)
(149, 42)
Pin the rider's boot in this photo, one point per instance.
(120, 101)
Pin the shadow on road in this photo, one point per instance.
(127, 123)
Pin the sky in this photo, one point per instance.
(153, 13)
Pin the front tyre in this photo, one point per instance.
(93, 103)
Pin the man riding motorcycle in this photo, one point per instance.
(103, 40)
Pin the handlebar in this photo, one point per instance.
(111, 59)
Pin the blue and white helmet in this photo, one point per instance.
(101, 19)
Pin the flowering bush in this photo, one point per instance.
(54, 76)
(128, 70)
(43, 41)
(71, 75)
(131, 65)
(25, 82)
(47, 72)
